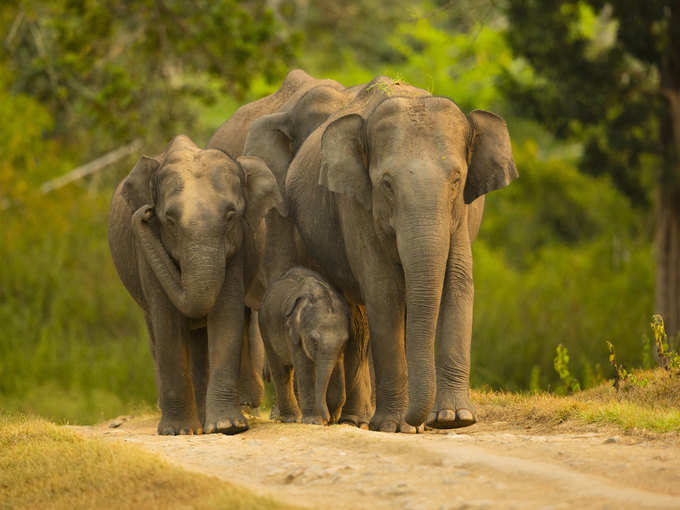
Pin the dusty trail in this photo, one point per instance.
(478, 467)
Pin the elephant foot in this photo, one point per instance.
(354, 421)
(170, 427)
(314, 420)
(389, 424)
(456, 415)
(252, 396)
(288, 418)
(229, 423)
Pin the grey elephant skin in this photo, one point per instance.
(305, 325)
(317, 98)
(387, 196)
(276, 138)
(182, 239)
(230, 139)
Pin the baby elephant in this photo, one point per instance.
(305, 326)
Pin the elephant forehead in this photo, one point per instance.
(201, 196)
(415, 126)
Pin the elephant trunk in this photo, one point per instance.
(194, 290)
(324, 369)
(423, 252)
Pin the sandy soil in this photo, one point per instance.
(484, 466)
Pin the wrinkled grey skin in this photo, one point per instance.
(276, 138)
(387, 196)
(305, 325)
(304, 102)
(230, 137)
(181, 237)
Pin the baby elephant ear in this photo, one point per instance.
(292, 311)
(491, 164)
(261, 190)
(137, 188)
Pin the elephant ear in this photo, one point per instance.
(343, 159)
(137, 189)
(292, 311)
(261, 190)
(269, 139)
(491, 164)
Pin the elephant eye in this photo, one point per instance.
(229, 215)
(386, 184)
(170, 219)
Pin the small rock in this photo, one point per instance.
(117, 422)
(611, 440)
(290, 477)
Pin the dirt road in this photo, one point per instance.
(484, 466)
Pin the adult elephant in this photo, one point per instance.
(276, 138)
(387, 196)
(182, 239)
(313, 100)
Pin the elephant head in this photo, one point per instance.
(277, 137)
(192, 207)
(318, 323)
(414, 163)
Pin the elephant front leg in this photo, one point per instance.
(386, 324)
(199, 368)
(282, 379)
(306, 383)
(179, 414)
(359, 407)
(225, 338)
(251, 385)
(453, 406)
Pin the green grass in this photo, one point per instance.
(44, 466)
(73, 345)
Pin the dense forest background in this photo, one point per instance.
(566, 254)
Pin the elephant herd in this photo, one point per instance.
(338, 222)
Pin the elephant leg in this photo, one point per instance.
(225, 340)
(281, 250)
(382, 288)
(171, 334)
(282, 377)
(256, 344)
(453, 406)
(199, 368)
(386, 323)
(360, 405)
(152, 347)
(305, 378)
(251, 386)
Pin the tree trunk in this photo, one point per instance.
(667, 243)
(667, 233)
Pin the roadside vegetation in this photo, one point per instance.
(45, 466)
(650, 407)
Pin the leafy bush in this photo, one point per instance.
(540, 283)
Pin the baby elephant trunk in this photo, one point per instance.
(324, 369)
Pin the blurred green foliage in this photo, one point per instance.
(563, 257)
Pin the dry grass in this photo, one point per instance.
(650, 405)
(44, 466)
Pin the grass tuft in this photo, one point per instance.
(650, 406)
(44, 466)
